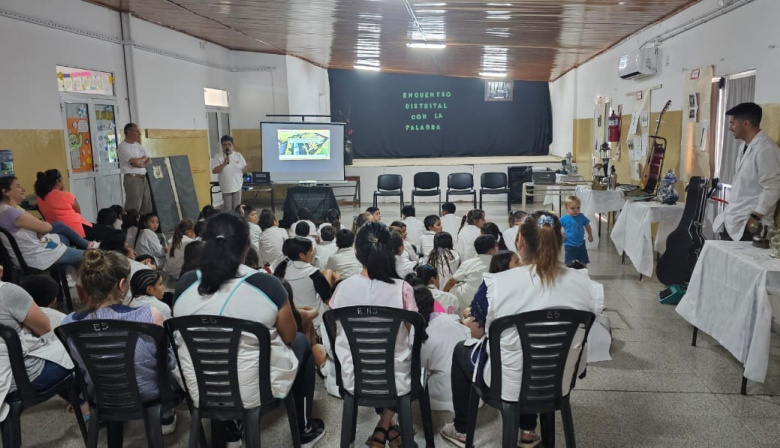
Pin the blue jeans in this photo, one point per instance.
(71, 257)
(579, 253)
(51, 374)
(68, 236)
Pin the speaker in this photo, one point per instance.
(518, 175)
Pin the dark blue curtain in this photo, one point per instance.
(396, 115)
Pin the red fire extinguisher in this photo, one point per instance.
(613, 131)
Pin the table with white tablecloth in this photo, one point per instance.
(728, 298)
(596, 202)
(633, 236)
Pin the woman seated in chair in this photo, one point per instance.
(540, 282)
(45, 359)
(224, 286)
(42, 244)
(56, 204)
(104, 278)
(379, 285)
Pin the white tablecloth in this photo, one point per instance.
(632, 234)
(727, 298)
(595, 202)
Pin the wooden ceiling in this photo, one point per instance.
(535, 40)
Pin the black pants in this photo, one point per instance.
(746, 236)
(462, 372)
(302, 389)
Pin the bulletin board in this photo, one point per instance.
(79, 145)
(696, 122)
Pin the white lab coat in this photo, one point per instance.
(755, 188)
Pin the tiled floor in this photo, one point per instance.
(658, 391)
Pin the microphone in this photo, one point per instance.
(227, 158)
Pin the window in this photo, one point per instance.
(216, 97)
(733, 89)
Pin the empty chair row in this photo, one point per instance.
(427, 183)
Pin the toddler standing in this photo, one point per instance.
(574, 226)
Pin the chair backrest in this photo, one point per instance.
(372, 332)
(460, 181)
(546, 337)
(9, 242)
(493, 180)
(106, 350)
(426, 180)
(389, 182)
(16, 357)
(9, 272)
(212, 342)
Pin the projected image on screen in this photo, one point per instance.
(303, 144)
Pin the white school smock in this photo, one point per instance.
(444, 332)
(465, 246)
(451, 224)
(469, 277)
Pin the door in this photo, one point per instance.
(90, 149)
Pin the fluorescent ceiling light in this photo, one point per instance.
(435, 5)
(425, 45)
(366, 67)
(499, 4)
(499, 17)
(492, 75)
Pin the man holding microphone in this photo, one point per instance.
(230, 166)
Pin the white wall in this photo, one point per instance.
(258, 93)
(308, 87)
(563, 95)
(740, 40)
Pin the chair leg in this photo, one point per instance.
(94, 428)
(66, 290)
(152, 418)
(511, 419)
(547, 423)
(115, 434)
(292, 418)
(405, 421)
(426, 417)
(480, 199)
(568, 423)
(400, 210)
(11, 427)
(439, 212)
(348, 421)
(218, 434)
(196, 428)
(73, 399)
(472, 418)
(374, 199)
(252, 427)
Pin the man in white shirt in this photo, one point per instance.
(133, 161)
(756, 183)
(230, 166)
(344, 260)
(450, 222)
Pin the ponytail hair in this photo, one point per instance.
(45, 182)
(543, 240)
(292, 249)
(178, 234)
(99, 275)
(226, 238)
(492, 229)
(425, 302)
(423, 274)
(472, 216)
(374, 250)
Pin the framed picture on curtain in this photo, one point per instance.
(499, 90)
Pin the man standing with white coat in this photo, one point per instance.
(756, 183)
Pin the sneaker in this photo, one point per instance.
(532, 439)
(168, 424)
(314, 433)
(450, 434)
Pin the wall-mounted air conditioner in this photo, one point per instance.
(639, 63)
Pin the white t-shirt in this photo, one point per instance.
(469, 277)
(254, 296)
(465, 246)
(38, 253)
(126, 151)
(231, 177)
(414, 231)
(271, 241)
(451, 224)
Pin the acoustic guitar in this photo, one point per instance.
(651, 171)
(684, 244)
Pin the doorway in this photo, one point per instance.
(90, 149)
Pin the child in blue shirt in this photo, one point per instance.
(574, 226)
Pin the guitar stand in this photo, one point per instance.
(743, 389)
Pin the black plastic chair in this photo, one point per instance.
(212, 342)
(426, 184)
(459, 184)
(106, 350)
(371, 332)
(390, 185)
(21, 268)
(26, 396)
(494, 183)
(546, 337)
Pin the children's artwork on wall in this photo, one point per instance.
(6, 163)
